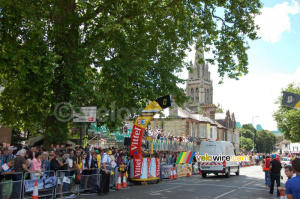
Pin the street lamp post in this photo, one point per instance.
(253, 132)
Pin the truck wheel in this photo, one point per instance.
(238, 171)
(228, 173)
(203, 175)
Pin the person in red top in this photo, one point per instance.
(278, 158)
(266, 166)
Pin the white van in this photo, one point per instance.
(219, 164)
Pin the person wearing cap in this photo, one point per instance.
(274, 171)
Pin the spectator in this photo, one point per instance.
(77, 160)
(55, 164)
(28, 158)
(36, 167)
(20, 164)
(120, 160)
(45, 164)
(293, 185)
(7, 172)
(266, 167)
(274, 171)
(1, 157)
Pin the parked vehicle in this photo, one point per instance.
(285, 161)
(216, 148)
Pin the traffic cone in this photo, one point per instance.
(282, 195)
(124, 184)
(200, 172)
(119, 186)
(35, 194)
(243, 164)
(188, 172)
(175, 174)
(171, 175)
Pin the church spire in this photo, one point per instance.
(199, 85)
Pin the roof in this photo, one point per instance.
(219, 125)
(220, 116)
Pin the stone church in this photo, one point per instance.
(198, 119)
(199, 86)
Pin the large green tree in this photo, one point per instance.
(246, 143)
(110, 54)
(246, 133)
(265, 141)
(288, 119)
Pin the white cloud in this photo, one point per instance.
(274, 21)
(253, 95)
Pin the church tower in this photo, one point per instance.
(199, 85)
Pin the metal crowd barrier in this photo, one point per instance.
(11, 185)
(65, 183)
(46, 185)
(89, 179)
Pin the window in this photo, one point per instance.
(202, 131)
(211, 133)
(191, 129)
(229, 137)
(196, 130)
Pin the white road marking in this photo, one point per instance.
(164, 190)
(247, 184)
(216, 185)
(225, 194)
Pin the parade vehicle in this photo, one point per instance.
(214, 158)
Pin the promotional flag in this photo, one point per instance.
(291, 100)
(142, 122)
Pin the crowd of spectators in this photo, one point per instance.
(160, 134)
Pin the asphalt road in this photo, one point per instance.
(248, 185)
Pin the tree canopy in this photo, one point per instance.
(246, 133)
(246, 143)
(288, 119)
(265, 141)
(110, 54)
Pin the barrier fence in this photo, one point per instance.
(11, 185)
(54, 184)
(67, 182)
(46, 184)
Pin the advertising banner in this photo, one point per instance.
(157, 161)
(152, 170)
(148, 166)
(181, 170)
(144, 174)
(137, 167)
(143, 120)
(166, 170)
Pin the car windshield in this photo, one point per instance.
(284, 159)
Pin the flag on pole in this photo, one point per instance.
(291, 100)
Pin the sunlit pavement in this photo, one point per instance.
(249, 184)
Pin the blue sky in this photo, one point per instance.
(274, 62)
